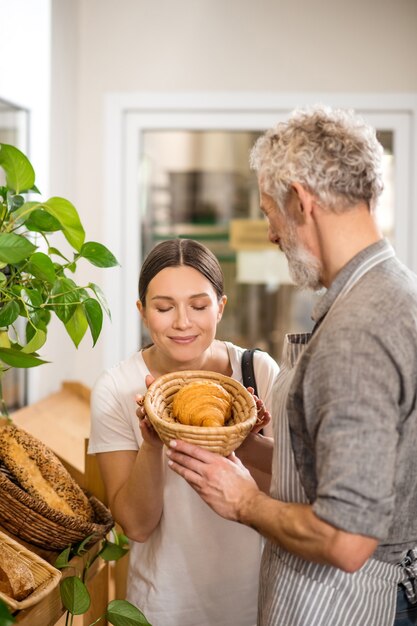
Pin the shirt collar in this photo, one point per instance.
(326, 301)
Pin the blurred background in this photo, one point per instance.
(143, 115)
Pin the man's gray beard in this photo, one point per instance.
(304, 267)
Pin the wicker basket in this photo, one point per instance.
(224, 439)
(45, 575)
(32, 520)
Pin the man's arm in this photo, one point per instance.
(227, 487)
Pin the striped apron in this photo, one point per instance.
(295, 592)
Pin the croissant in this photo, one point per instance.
(202, 404)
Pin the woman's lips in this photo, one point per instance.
(184, 340)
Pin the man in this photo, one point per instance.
(341, 518)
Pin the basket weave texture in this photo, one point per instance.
(32, 520)
(45, 575)
(224, 439)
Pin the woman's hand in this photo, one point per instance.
(148, 432)
(263, 417)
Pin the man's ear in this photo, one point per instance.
(304, 202)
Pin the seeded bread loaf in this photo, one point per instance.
(16, 578)
(37, 470)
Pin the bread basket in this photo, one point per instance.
(45, 575)
(224, 439)
(30, 518)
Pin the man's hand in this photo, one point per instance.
(223, 483)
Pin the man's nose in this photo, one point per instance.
(272, 236)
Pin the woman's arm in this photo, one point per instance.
(256, 450)
(134, 485)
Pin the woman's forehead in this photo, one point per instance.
(180, 280)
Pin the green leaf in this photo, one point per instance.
(17, 358)
(57, 253)
(14, 248)
(77, 325)
(16, 202)
(123, 613)
(74, 595)
(4, 339)
(120, 538)
(6, 618)
(100, 297)
(94, 316)
(34, 296)
(42, 222)
(41, 266)
(36, 342)
(112, 552)
(40, 318)
(98, 254)
(67, 216)
(19, 171)
(82, 547)
(62, 559)
(9, 313)
(65, 299)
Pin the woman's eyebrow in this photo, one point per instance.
(195, 295)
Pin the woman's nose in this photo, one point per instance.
(181, 319)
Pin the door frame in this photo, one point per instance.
(127, 115)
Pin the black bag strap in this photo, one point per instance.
(248, 373)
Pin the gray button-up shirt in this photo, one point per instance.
(352, 406)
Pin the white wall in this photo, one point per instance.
(200, 45)
(24, 72)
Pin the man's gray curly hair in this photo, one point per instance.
(333, 153)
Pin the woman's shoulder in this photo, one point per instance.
(262, 361)
(132, 369)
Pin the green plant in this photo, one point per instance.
(35, 277)
(74, 593)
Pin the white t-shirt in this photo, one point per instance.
(196, 569)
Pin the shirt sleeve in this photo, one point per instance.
(111, 428)
(351, 402)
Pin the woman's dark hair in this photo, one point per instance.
(178, 252)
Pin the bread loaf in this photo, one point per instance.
(16, 578)
(37, 470)
(202, 403)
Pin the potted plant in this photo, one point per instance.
(37, 282)
(36, 278)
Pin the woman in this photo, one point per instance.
(188, 567)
